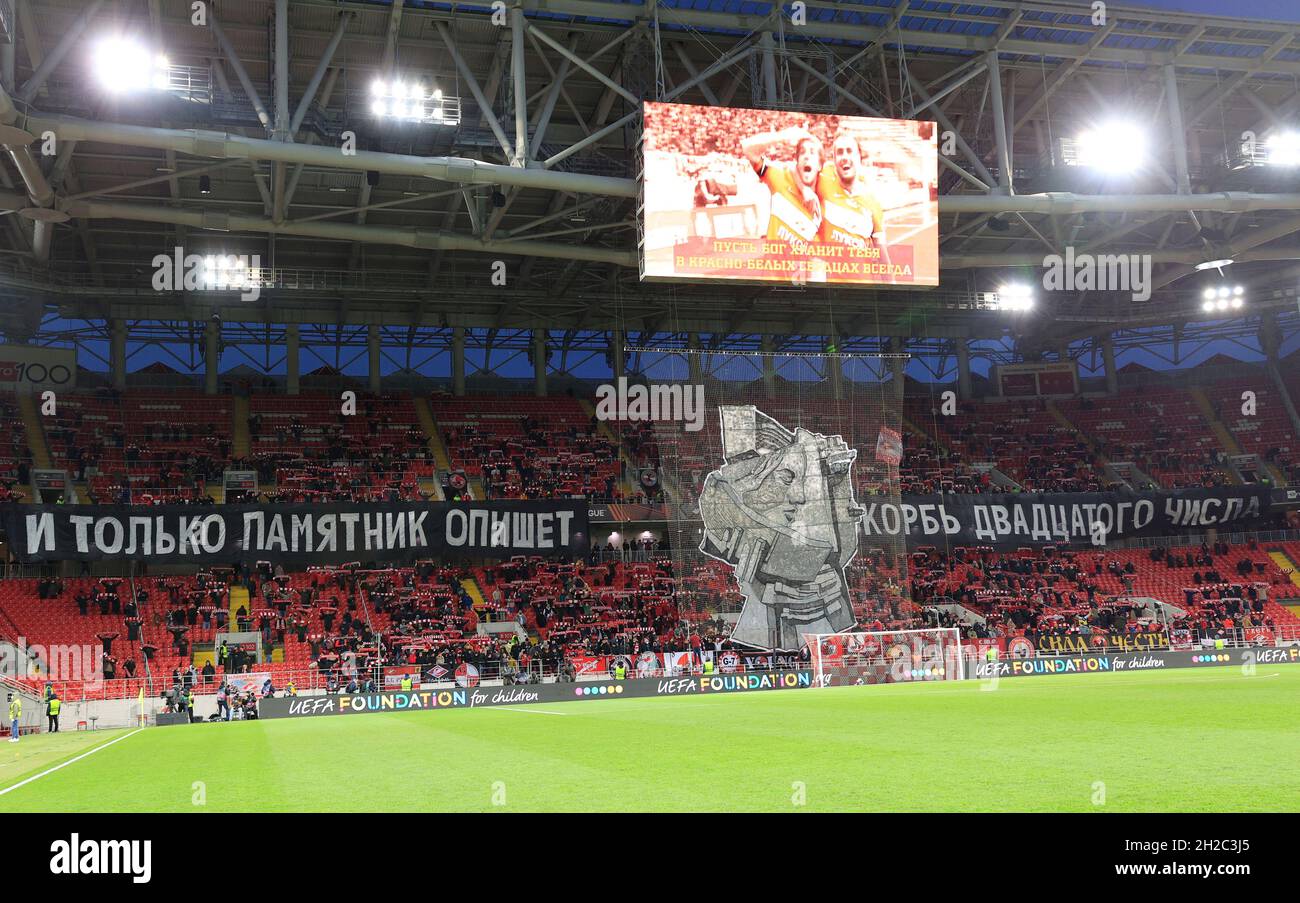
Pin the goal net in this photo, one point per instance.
(891, 656)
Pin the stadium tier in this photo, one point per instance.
(628, 596)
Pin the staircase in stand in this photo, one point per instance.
(1221, 432)
(441, 460)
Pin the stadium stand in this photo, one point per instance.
(525, 447)
(166, 445)
(1160, 430)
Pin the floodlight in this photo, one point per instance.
(1284, 149)
(1116, 147)
(123, 65)
(1222, 298)
(406, 101)
(1015, 297)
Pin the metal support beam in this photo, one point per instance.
(518, 75)
(948, 89)
(836, 90)
(980, 169)
(304, 104)
(38, 189)
(51, 62)
(117, 354)
(281, 74)
(240, 72)
(618, 352)
(963, 369)
(835, 367)
(458, 361)
(1270, 337)
(484, 105)
(898, 368)
(735, 56)
(390, 41)
(548, 106)
(373, 358)
(541, 354)
(1108, 358)
(292, 363)
(999, 124)
(325, 93)
(227, 145)
(767, 345)
(1059, 203)
(211, 356)
(767, 48)
(693, 72)
(694, 360)
(1063, 72)
(963, 174)
(583, 64)
(593, 138)
(404, 237)
(1177, 132)
(1207, 104)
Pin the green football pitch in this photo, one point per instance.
(1184, 741)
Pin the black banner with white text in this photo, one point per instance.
(309, 533)
(1012, 520)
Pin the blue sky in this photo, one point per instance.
(1284, 10)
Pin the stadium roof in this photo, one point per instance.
(376, 238)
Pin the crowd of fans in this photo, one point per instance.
(343, 623)
(1084, 592)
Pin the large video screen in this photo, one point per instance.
(781, 196)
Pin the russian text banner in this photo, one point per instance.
(314, 533)
(1011, 520)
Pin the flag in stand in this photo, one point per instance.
(889, 446)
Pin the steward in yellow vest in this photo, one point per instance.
(15, 713)
(52, 707)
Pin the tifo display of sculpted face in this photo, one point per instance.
(781, 512)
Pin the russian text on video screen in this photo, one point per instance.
(780, 196)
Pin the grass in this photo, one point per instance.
(1177, 741)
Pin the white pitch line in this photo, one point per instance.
(70, 761)
(529, 710)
